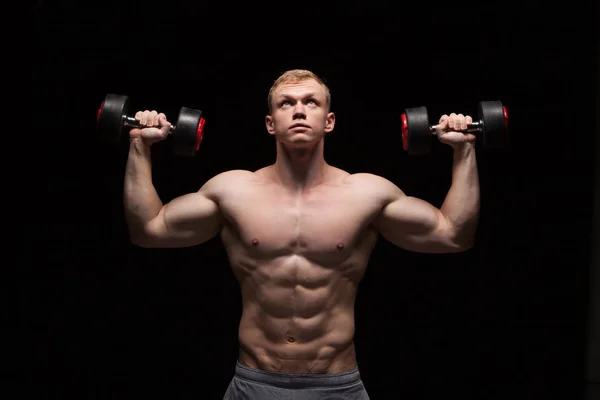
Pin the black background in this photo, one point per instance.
(105, 319)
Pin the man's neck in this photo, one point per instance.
(300, 168)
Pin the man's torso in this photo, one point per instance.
(299, 257)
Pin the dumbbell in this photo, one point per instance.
(492, 125)
(113, 117)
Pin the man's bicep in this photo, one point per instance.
(185, 221)
(415, 225)
(194, 214)
(410, 215)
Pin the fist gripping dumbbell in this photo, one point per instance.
(113, 116)
(492, 125)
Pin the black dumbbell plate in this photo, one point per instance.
(109, 120)
(188, 132)
(419, 135)
(495, 124)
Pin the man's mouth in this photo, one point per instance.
(299, 126)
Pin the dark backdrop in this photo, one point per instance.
(105, 319)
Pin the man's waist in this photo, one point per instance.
(297, 380)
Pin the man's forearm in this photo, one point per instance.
(141, 201)
(461, 206)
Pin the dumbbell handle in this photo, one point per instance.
(476, 126)
(134, 123)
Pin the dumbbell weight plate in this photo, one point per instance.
(416, 136)
(109, 119)
(495, 124)
(188, 132)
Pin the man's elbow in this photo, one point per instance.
(460, 244)
(142, 239)
(462, 247)
(460, 238)
(148, 235)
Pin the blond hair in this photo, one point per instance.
(295, 76)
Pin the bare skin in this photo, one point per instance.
(299, 258)
(298, 233)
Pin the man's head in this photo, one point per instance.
(299, 104)
(297, 76)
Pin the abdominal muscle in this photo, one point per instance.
(298, 317)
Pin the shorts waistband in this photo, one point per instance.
(297, 381)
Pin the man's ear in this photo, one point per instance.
(270, 124)
(329, 122)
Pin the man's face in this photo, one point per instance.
(300, 113)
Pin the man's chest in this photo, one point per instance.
(314, 225)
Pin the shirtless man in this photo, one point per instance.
(298, 234)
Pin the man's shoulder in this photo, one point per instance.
(366, 178)
(234, 175)
(375, 186)
(230, 179)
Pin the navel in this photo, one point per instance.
(340, 246)
(254, 242)
(290, 339)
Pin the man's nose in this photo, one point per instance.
(299, 115)
(299, 110)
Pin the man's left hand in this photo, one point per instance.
(449, 127)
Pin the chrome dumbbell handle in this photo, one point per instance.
(476, 126)
(134, 123)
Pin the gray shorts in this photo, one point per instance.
(254, 384)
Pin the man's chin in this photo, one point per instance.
(300, 141)
(307, 135)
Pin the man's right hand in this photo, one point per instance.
(156, 127)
